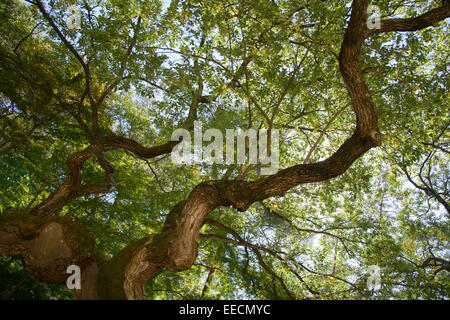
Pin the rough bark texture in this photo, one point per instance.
(175, 249)
(412, 24)
(49, 243)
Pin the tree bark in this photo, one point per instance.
(50, 243)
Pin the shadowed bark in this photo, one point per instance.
(44, 239)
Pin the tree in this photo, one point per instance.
(88, 113)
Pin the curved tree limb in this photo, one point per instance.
(73, 187)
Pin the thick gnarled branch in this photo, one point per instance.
(73, 187)
(175, 249)
(49, 246)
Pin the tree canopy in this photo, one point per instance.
(87, 114)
